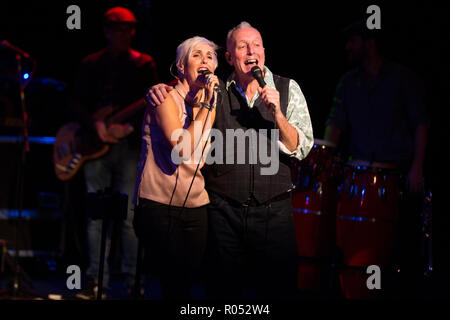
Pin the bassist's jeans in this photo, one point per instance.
(117, 169)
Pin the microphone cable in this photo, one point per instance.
(193, 178)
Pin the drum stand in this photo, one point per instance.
(427, 235)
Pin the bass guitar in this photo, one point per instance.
(75, 145)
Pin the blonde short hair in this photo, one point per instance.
(185, 48)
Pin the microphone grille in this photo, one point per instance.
(256, 70)
(206, 72)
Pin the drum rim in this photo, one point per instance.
(366, 219)
(371, 165)
(324, 143)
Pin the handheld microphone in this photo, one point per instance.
(257, 74)
(205, 73)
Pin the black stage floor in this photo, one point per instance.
(51, 285)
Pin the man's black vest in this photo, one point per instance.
(240, 181)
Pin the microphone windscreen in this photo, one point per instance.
(206, 72)
(256, 70)
(257, 74)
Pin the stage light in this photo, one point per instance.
(26, 76)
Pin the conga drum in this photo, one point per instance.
(314, 203)
(366, 221)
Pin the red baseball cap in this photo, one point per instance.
(119, 15)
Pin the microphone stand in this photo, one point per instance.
(25, 148)
(16, 289)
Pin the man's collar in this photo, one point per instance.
(268, 78)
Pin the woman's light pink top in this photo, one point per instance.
(159, 178)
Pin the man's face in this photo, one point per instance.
(355, 49)
(245, 50)
(119, 35)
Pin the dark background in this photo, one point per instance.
(302, 41)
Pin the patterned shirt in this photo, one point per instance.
(297, 114)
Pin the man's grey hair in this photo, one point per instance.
(243, 24)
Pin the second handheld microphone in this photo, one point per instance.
(257, 74)
(205, 73)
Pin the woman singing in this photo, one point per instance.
(171, 216)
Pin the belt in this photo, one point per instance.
(252, 202)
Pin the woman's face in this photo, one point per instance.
(201, 58)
